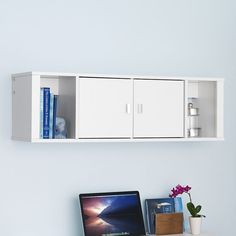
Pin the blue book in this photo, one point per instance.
(46, 112)
(41, 112)
(51, 115)
(179, 208)
(178, 204)
(54, 115)
(160, 205)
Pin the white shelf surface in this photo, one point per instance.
(85, 75)
(124, 140)
(48, 74)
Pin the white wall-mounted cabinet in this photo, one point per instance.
(110, 108)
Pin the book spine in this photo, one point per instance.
(147, 217)
(41, 112)
(51, 116)
(178, 204)
(54, 116)
(179, 208)
(46, 107)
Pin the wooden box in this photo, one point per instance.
(170, 223)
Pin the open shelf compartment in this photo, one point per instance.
(207, 96)
(65, 89)
(26, 103)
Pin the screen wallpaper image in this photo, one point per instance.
(112, 215)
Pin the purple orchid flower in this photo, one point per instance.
(178, 190)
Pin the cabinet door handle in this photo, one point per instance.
(127, 108)
(140, 108)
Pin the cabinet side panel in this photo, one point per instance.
(207, 108)
(220, 109)
(35, 106)
(77, 107)
(186, 95)
(66, 103)
(21, 108)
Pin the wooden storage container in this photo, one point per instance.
(169, 223)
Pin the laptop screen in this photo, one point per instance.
(112, 214)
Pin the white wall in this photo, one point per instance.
(39, 182)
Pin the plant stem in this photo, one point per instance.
(190, 197)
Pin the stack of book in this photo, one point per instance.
(160, 205)
(48, 111)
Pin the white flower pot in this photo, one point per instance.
(195, 225)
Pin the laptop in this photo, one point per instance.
(112, 214)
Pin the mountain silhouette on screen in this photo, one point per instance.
(121, 206)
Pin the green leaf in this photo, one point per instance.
(190, 204)
(198, 208)
(191, 209)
